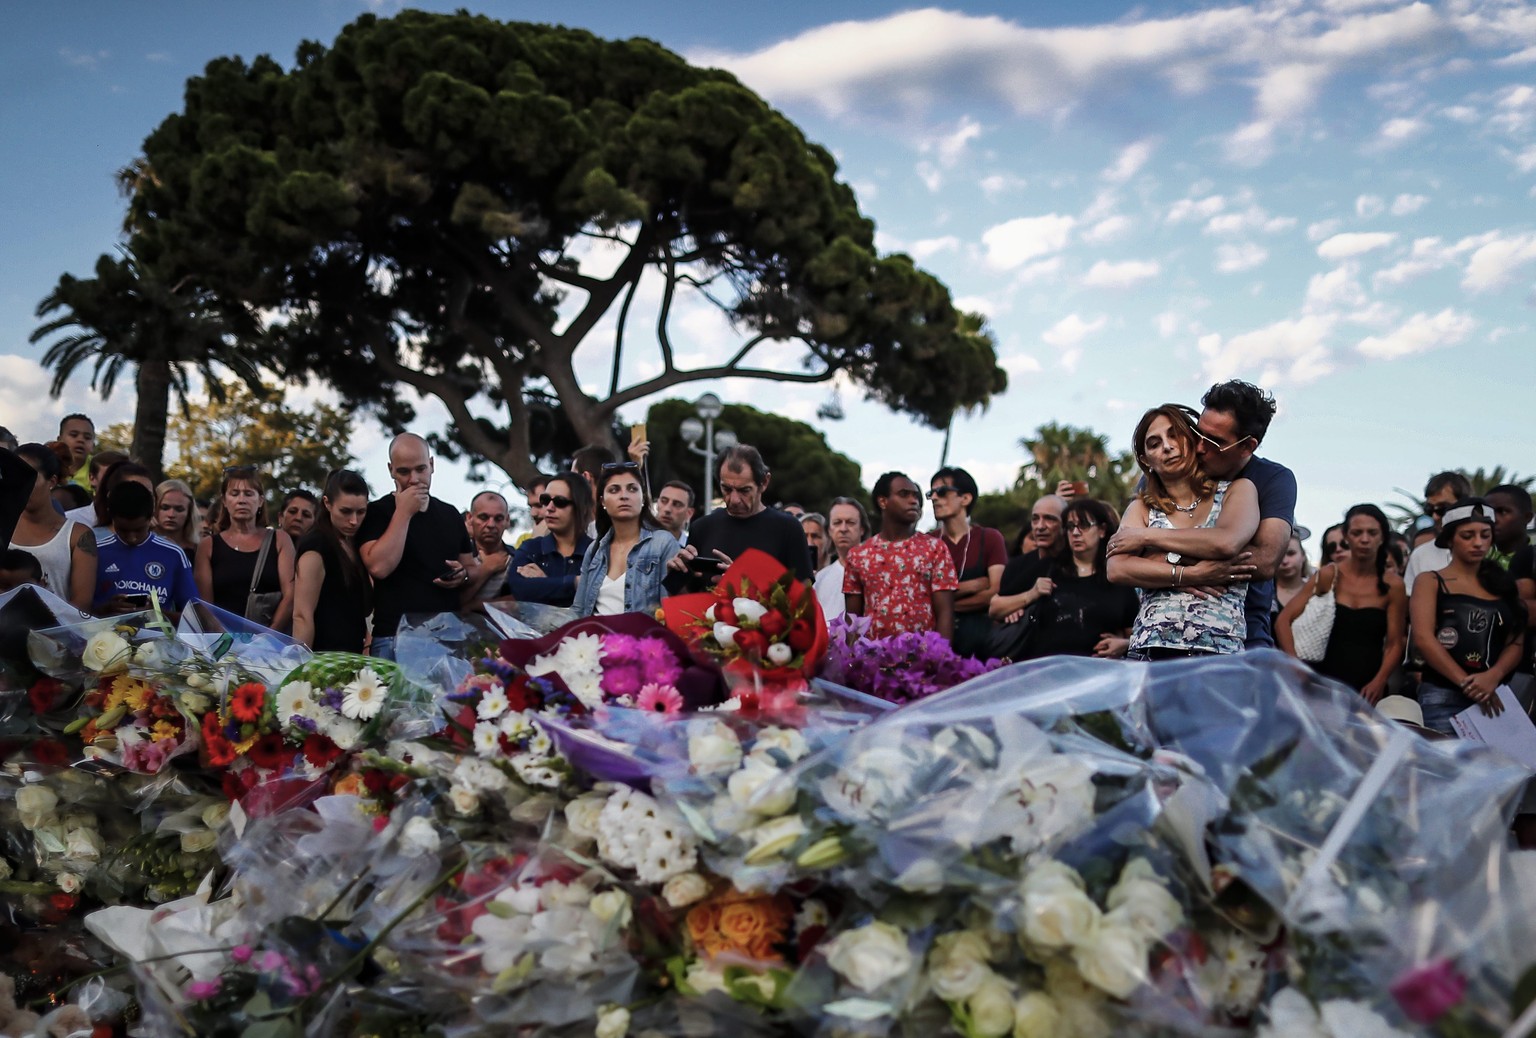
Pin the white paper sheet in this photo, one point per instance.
(1511, 733)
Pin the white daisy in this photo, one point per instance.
(364, 696)
(293, 700)
(514, 724)
(343, 733)
(487, 739)
(492, 704)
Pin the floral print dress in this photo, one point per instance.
(1173, 618)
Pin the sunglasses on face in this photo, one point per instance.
(1080, 527)
(940, 493)
(545, 500)
(621, 466)
(1215, 445)
(1438, 510)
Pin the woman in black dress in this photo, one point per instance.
(332, 592)
(1468, 622)
(226, 561)
(1370, 619)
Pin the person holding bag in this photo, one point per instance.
(1350, 619)
(246, 567)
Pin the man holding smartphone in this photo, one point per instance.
(414, 546)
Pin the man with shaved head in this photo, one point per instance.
(414, 546)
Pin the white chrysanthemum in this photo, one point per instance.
(487, 739)
(581, 652)
(480, 775)
(514, 724)
(295, 699)
(536, 771)
(541, 665)
(364, 695)
(492, 704)
(586, 686)
(540, 744)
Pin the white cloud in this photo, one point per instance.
(950, 147)
(1168, 324)
(81, 59)
(1195, 208)
(1337, 289)
(1461, 113)
(1250, 144)
(1354, 243)
(1322, 229)
(1129, 162)
(918, 60)
(1253, 218)
(1525, 160)
(921, 250)
(1041, 270)
(978, 305)
(1234, 259)
(1289, 351)
(1017, 364)
(1123, 274)
(1072, 329)
(1419, 334)
(930, 175)
(1399, 131)
(1493, 264)
(999, 183)
(1107, 229)
(1012, 244)
(1367, 206)
(1402, 205)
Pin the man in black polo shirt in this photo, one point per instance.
(415, 547)
(745, 522)
(1233, 423)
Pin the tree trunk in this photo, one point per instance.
(149, 416)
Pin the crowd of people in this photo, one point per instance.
(1206, 558)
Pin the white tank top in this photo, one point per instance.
(610, 597)
(54, 557)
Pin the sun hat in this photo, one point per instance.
(1401, 708)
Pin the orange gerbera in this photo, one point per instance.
(738, 924)
(248, 701)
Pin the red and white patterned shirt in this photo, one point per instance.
(897, 580)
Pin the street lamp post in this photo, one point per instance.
(709, 408)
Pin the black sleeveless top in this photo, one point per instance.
(1473, 630)
(232, 572)
(1355, 645)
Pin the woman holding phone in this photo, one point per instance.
(623, 570)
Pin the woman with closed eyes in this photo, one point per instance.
(544, 569)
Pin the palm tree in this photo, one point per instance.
(127, 316)
(1059, 452)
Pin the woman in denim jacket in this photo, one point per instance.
(622, 572)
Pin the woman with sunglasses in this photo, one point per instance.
(623, 571)
(1370, 608)
(544, 569)
(1468, 622)
(226, 564)
(1084, 614)
(1174, 621)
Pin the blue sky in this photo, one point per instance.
(1330, 197)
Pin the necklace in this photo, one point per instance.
(1188, 509)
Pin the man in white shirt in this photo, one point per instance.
(1442, 491)
(847, 525)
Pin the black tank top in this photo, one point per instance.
(232, 572)
(1473, 630)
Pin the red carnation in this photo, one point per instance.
(752, 643)
(247, 702)
(270, 752)
(774, 623)
(725, 613)
(320, 751)
(519, 696)
(375, 781)
(802, 635)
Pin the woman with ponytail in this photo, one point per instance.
(1468, 622)
(332, 593)
(1370, 620)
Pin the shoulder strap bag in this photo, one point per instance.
(1311, 630)
(262, 609)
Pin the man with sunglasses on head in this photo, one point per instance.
(745, 522)
(1441, 493)
(1234, 421)
(414, 546)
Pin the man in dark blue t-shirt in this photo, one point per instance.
(1231, 427)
